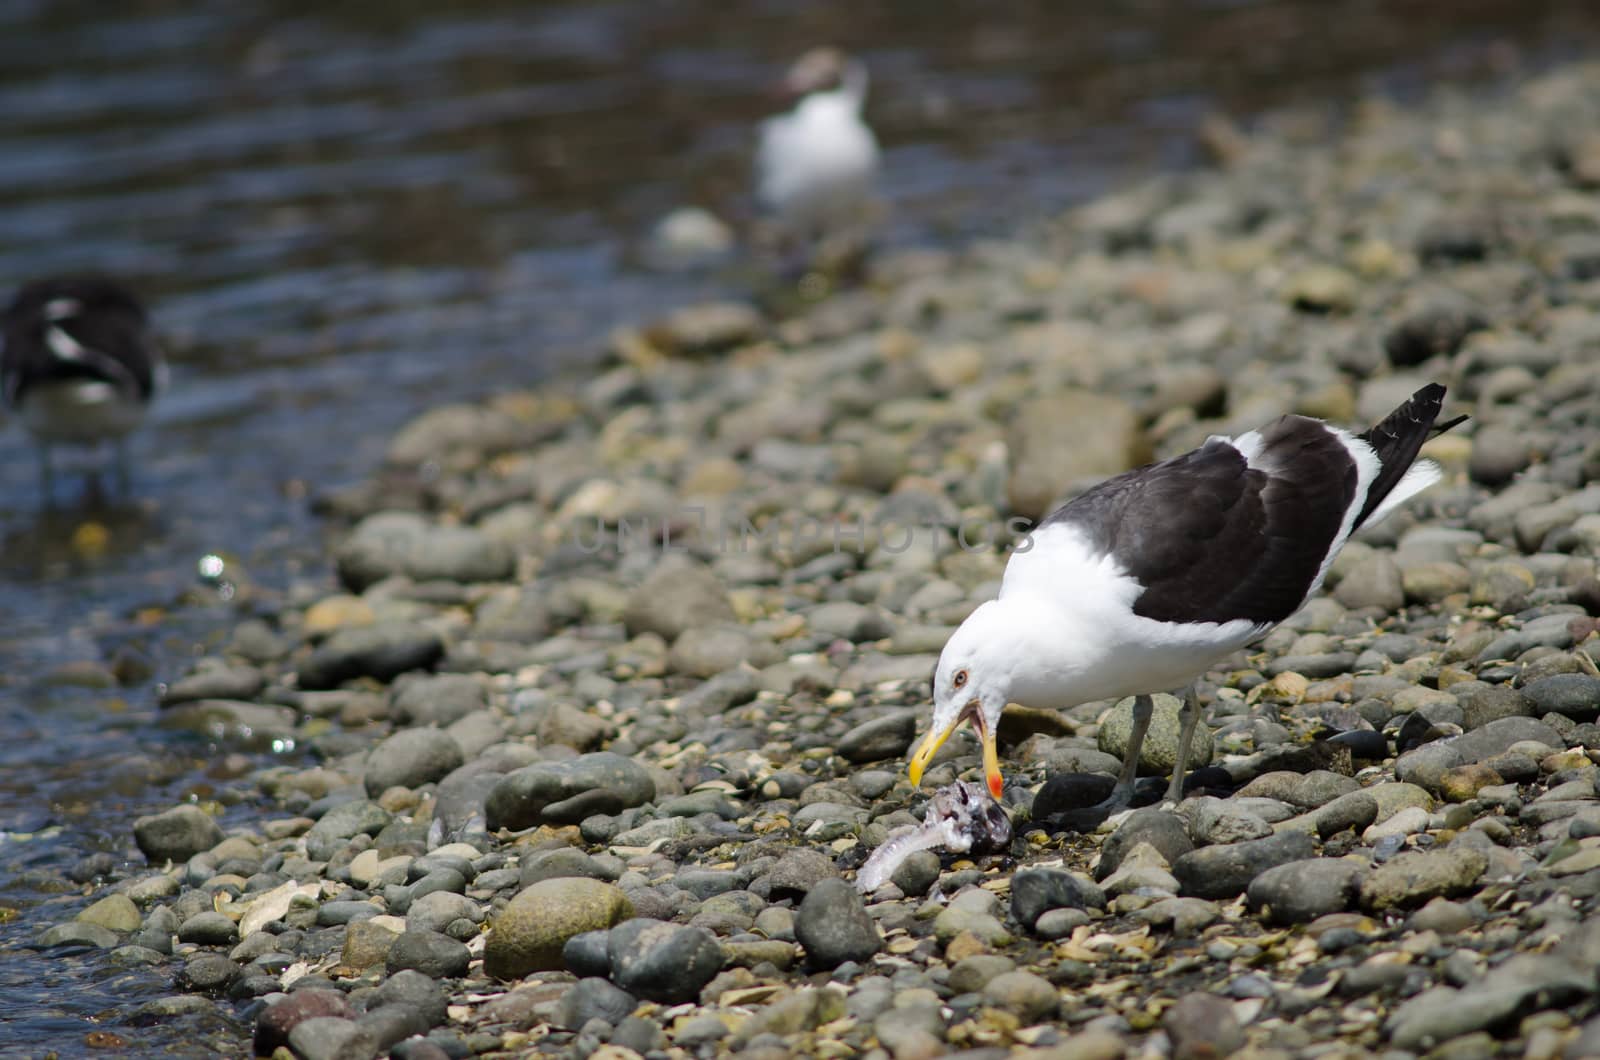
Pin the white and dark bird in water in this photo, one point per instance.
(817, 163)
(80, 365)
(1142, 583)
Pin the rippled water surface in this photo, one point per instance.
(341, 214)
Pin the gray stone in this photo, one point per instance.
(1159, 752)
(343, 822)
(417, 992)
(916, 873)
(404, 543)
(76, 933)
(884, 737)
(1164, 831)
(569, 791)
(209, 973)
(1225, 871)
(215, 682)
(706, 651)
(849, 620)
(384, 651)
(558, 863)
(663, 962)
(1575, 695)
(332, 1038)
(678, 595)
(436, 910)
(437, 699)
(796, 874)
(594, 998)
(833, 926)
(1035, 892)
(208, 929)
(1481, 704)
(177, 834)
(1413, 878)
(1523, 984)
(411, 758)
(1301, 891)
(1069, 436)
(1029, 996)
(530, 932)
(1372, 582)
(1202, 1026)
(433, 954)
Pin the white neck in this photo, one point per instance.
(853, 83)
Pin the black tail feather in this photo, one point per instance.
(1398, 439)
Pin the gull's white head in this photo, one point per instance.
(972, 683)
(826, 70)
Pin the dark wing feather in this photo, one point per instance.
(1398, 439)
(1212, 539)
(108, 322)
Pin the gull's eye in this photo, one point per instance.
(960, 679)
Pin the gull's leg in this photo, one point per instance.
(1188, 715)
(1122, 794)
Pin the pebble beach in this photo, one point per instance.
(580, 749)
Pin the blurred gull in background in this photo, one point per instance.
(79, 365)
(817, 163)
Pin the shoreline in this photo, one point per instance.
(706, 738)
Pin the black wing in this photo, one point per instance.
(1212, 539)
(97, 314)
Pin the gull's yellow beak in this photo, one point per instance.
(935, 739)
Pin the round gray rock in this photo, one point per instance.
(833, 926)
(411, 758)
(177, 834)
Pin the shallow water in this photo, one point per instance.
(341, 216)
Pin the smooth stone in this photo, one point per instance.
(1522, 983)
(881, 738)
(679, 595)
(1035, 892)
(367, 945)
(567, 792)
(663, 962)
(593, 998)
(332, 1038)
(276, 1021)
(1164, 831)
(437, 699)
(209, 929)
(1159, 752)
(1202, 1026)
(1030, 997)
(433, 954)
(411, 758)
(403, 543)
(1225, 871)
(177, 834)
(1301, 891)
(833, 926)
(1413, 878)
(1575, 695)
(115, 911)
(529, 934)
(382, 651)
